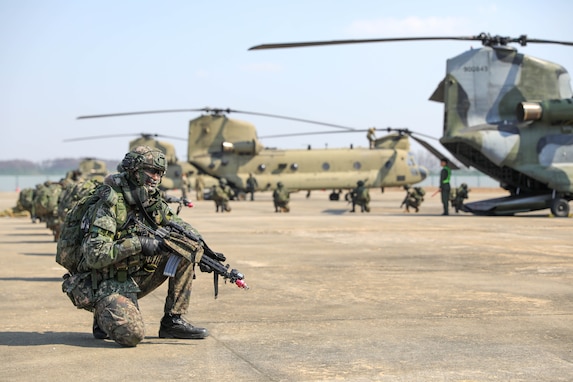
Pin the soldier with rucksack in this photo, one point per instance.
(221, 195)
(281, 198)
(414, 198)
(458, 196)
(46, 204)
(113, 262)
(361, 197)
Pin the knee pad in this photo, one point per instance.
(120, 318)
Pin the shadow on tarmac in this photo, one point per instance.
(36, 279)
(84, 340)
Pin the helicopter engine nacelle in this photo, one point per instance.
(551, 111)
(251, 147)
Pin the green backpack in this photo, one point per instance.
(68, 252)
(46, 199)
(26, 198)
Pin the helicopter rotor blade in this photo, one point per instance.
(400, 130)
(142, 135)
(343, 42)
(217, 111)
(295, 119)
(98, 137)
(141, 112)
(485, 38)
(312, 133)
(435, 151)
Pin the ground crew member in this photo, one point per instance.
(445, 176)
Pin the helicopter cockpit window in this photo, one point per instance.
(227, 147)
(357, 165)
(326, 166)
(262, 167)
(294, 166)
(411, 161)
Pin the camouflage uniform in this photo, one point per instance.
(458, 195)
(221, 195)
(199, 187)
(252, 185)
(414, 198)
(361, 197)
(281, 198)
(46, 205)
(122, 269)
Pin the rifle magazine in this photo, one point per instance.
(171, 266)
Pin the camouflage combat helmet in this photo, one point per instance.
(360, 183)
(143, 164)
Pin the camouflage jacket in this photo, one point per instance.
(113, 234)
(281, 195)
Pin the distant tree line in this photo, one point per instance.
(46, 167)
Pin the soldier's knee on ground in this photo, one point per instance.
(120, 318)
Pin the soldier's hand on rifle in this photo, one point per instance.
(149, 246)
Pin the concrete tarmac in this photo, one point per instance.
(335, 296)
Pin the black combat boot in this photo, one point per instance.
(175, 326)
(98, 332)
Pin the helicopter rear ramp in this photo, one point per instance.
(509, 205)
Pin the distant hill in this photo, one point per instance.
(47, 167)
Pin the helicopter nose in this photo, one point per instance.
(423, 172)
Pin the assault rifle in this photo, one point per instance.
(184, 244)
(180, 201)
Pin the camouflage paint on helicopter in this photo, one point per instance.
(508, 115)
(488, 125)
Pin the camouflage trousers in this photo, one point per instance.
(117, 311)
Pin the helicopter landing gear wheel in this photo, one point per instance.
(334, 196)
(560, 208)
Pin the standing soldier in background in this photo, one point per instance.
(360, 196)
(371, 137)
(445, 176)
(221, 196)
(252, 185)
(185, 186)
(281, 198)
(199, 186)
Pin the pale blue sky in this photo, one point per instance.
(62, 59)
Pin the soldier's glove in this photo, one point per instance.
(149, 246)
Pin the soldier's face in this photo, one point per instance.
(151, 179)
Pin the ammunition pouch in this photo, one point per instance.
(79, 289)
(122, 270)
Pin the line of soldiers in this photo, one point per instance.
(415, 196)
(50, 201)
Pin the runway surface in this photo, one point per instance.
(335, 296)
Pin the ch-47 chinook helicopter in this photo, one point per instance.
(508, 115)
(229, 148)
